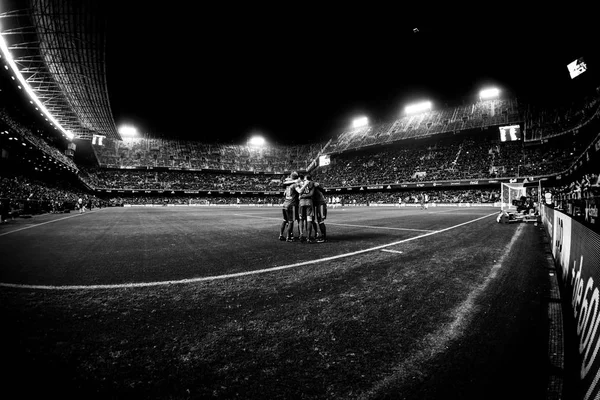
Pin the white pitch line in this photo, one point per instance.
(465, 210)
(239, 274)
(351, 225)
(437, 342)
(42, 223)
(392, 251)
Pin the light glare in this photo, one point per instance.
(360, 122)
(256, 141)
(127, 130)
(418, 107)
(489, 93)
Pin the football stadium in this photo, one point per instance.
(448, 249)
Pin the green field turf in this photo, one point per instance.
(197, 302)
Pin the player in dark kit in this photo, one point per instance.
(290, 207)
(306, 191)
(320, 212)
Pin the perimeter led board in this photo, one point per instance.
(577, 67)
(510, 133)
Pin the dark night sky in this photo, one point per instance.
(300, 75)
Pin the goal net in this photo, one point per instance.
(510, 192)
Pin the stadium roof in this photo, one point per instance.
(294, 74)
(58, 47)
(306, 72)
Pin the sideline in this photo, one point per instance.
(239, 274)
(437, 342)
(47, 222)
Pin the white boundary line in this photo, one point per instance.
(44, 223)
(392, 251)
(437, 342)
(239, 274)
(351, 225)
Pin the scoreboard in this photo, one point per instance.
(510, 133)
(324, 160)
(577, 67)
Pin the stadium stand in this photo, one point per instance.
(477, 115)
(184, 154)
(543, 122)
(27, 135)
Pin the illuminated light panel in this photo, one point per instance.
(360, 122)
(128, 130)
(418, 107)
(577, 67)
(256, 141)
(489, 93)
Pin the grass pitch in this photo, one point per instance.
(141, 303)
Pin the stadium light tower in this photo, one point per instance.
(257, 141)
(417, 107)
(490, 93)
(128, 131)
(360, 122)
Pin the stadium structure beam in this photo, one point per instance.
(58, 48)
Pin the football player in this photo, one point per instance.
(306, 192)
(290, 207)
(320, 212)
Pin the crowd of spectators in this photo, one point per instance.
(454, 157)
(194, 200)
(27, 136)
(435, 196)
(450, 119)
(185, 154)
(185, 180)
(543, 122)
(23, 195)
(402, 197)
(444, 157)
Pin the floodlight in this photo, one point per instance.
(256, 141)
(360, 122)
(489, 93)
(127, 130)
(418, 107)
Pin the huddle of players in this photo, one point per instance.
(304, 201)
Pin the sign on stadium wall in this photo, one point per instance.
(576, 251)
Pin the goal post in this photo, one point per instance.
(510, 192)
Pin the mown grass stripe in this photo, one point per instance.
(238, 274)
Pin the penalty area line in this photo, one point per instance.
(238, 274)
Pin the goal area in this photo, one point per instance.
(511, 192)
